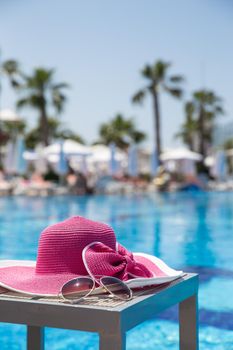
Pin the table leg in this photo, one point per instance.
(35, 338)
(112, 341)
(188, 319)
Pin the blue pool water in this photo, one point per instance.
(189, 231)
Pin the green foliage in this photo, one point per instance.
(137, 136)
(200, 114)
(139, 96)
(12, 129)
(11, 69)
(55, 131)
(32, 138)
(121, 131)
(158, 79)
(207, 107)
(189, 128)
(228, 144)
(67, 134)
(39, 92)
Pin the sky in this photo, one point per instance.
(99, 48)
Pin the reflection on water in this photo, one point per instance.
(182, 229)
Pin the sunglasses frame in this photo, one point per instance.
(75, 301)
(111, 293)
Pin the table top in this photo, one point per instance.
(104, 302)
(55, 313)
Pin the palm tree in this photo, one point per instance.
(188, 131)
(10, 69)
(158, 80)
(40, 92)
(207, 106)
(200, 114)
(121, 131)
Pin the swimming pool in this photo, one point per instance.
(189, 231)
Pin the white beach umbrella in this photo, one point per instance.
(38, 159)
(219, 169)
(30, 155)
(102, 156)
(14, 158)
(21, 165)
(70, 148)
(8, 115)
(179, 154)
(102, 153)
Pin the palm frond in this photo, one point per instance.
(147, 71)
(33, 100)
(208, 99)
(176, 92)
(180, 135)
(15, 83)
(139, 96)
(159, 69)
(40, 79)
(189, 108)
(60, 86)
(176, 79)
(120, 130)
(22, 103)
(58, 100)
(10, 67)
(137, 136)
(219, 110)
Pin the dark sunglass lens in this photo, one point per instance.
(116, 287)
(77, 288)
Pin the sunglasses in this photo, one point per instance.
(79, 288)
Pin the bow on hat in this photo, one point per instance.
(100, 259)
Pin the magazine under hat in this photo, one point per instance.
(79, 247)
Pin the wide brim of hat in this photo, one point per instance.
(20, 276)
(161, 272)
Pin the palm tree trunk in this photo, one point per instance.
(157, 124)
(191, 143)
(202, 140)
(44, 126)
(201, 123)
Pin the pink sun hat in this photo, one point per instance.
(79, 247)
